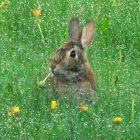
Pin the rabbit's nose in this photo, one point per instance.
(51, 69)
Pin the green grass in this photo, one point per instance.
(114, 55)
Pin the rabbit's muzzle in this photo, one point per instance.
(63, 74)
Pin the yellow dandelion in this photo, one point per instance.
(54, 105)
(83, 108)
(117, 119)
(36, 12)
(14, 110)
(3, 4)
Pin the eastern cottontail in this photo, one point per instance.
(71, 71)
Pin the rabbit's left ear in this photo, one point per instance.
(74, 30)
(88, 33)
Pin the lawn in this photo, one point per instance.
(27, 43)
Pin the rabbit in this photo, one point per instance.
(71, 71)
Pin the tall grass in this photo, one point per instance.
(114, 56)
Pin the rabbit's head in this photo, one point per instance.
(69, 61)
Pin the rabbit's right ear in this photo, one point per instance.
(74, 30)
(88, 33)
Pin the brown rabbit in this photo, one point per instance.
(70, 68)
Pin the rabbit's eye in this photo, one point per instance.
(73, 54)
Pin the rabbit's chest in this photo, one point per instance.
(79, 90)
(72, 86)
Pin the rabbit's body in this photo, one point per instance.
(70, 69)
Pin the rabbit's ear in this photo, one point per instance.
(74, 30)
(88, 33)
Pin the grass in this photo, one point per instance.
(114, 55)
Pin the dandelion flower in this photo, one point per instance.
(36, 12)
(83, 108)
(14, 110)
(3, 4)
(54, 105)
(117, 120)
